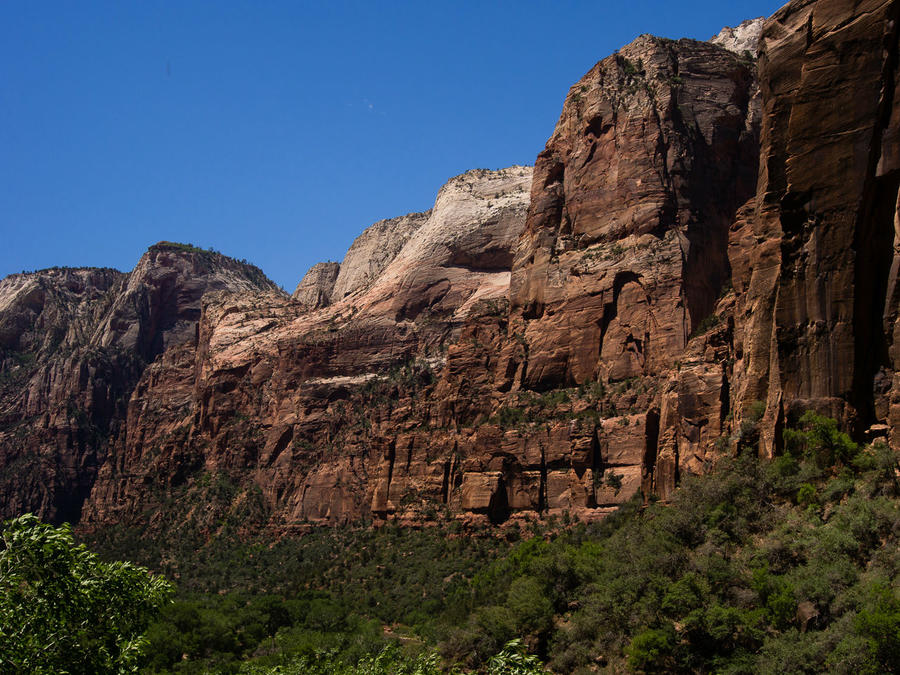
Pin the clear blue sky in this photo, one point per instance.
(278, 131)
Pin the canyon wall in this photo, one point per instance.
(704, 250)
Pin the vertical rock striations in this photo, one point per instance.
(705, 248)
(625, 247)
(812, 254)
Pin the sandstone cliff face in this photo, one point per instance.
(706, 246)
(373, 250)
(419, 385)
(625, 248)
(32, 305)
(311, 406)
(813, 310)
(460, 255)
(315, 288)
(160, 304)
(54, 391)
(812, 255)
(74, 344)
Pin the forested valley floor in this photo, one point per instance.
(759, 567)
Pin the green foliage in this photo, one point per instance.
(776, 595)
(782, 566)
(629, 67)
(651, 650)
(178, 246)
(62, 610)
(389, 661)
(806, 495)
(207, 256)
(819, 439)
(879, 624)
(554, 397)
(330, 591)
(531, 608)
(15, 367)
(614, 480)
(509, 417)
(747, 434)
(413, 374)
(515, 660)
(714, 581)
(707, 323)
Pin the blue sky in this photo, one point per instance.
(278, 131)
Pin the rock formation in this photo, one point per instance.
(744, 38)
(813, 286)
(812, 313)
(315, 288)
(74, 343)
(373, 250)
(705, 248)
(625, 247)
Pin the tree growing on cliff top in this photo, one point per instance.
(63, 610)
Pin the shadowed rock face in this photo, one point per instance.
(704, 240)
(813, 315)
(812, 256)
(53, 390)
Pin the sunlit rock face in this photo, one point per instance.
(374, 250)
(315, 288)
(276, 392)
(625, 247)
(742, 39)
(707, 241)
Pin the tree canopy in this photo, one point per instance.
(63, 610)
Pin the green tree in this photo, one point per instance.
(820, 439)
(652, 649)
(63, 610)
(531, 609)
(513, 659)
(879, 623)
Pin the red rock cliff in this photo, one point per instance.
(707, 239)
